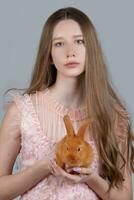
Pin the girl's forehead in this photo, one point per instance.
(66, 27)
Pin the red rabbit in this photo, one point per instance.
(73, 150)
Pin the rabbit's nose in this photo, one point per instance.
(71, 157)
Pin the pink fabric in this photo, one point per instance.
(41, 127)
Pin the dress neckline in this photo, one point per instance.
(38, 123)
(76, 114)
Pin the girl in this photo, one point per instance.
(69, 77)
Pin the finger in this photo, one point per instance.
(54, 168)
(73, 178)
(58, 170)
(82, 170)
(69, 170)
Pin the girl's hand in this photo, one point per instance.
(58, 171)
(84, 174)
(80, 178)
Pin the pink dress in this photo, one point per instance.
(41, 127)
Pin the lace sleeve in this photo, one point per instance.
(12, 104)
(122, 124)
(12, 97)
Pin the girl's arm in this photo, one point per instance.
(12, 186)
(100, 186)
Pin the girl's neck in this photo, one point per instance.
(70, 97)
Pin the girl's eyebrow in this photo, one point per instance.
(58, 38)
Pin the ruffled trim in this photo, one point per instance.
(13, 96)
(77, 114)
(122, 123)
(39, 130)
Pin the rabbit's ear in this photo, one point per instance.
(69, 127)
(82, 129)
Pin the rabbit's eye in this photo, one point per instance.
(78, 149)
(67, 148)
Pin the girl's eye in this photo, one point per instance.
(80, 41)
(58, 44)
(78, 149)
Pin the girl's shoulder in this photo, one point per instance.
(12, 99)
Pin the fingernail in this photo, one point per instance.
(76, 169)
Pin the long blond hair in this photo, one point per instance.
(99, 93)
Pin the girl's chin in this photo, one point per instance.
(71, 75)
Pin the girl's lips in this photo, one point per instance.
(71, 64)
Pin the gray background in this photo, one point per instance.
(21, 24)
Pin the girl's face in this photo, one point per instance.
(68, 46)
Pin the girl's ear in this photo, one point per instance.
(82, 129)
(69, 127)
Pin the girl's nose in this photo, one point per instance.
(70, 55)
(70, 52)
